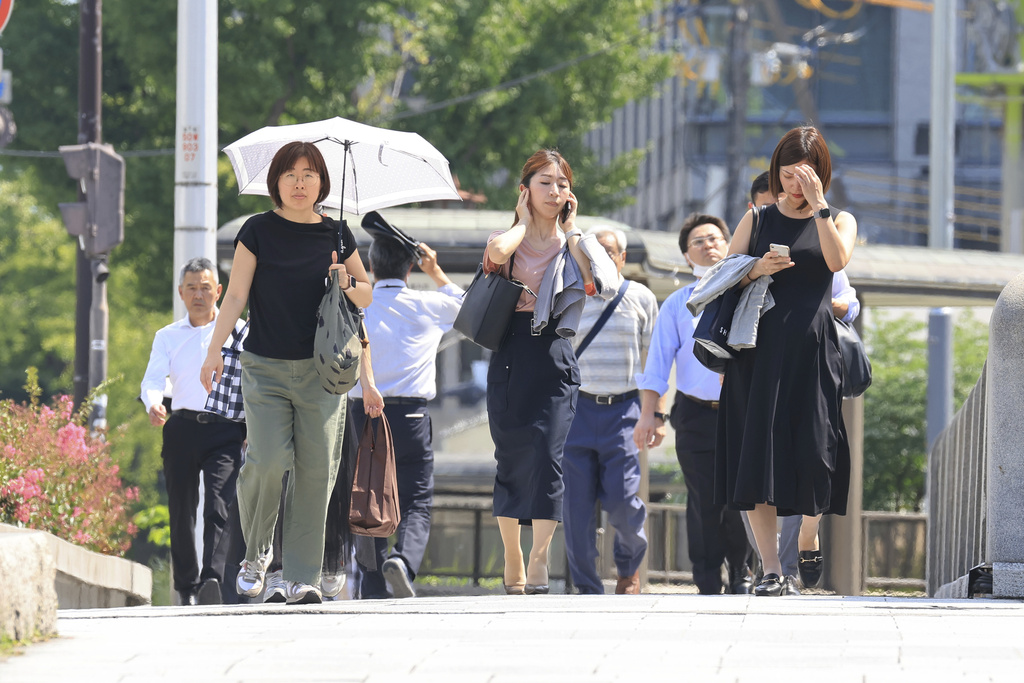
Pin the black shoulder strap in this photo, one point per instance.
(605, 314)
(755, 228)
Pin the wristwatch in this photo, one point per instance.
(661, 416)
(822, 213)
(351, 283)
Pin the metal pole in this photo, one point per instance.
(196, 146)
(942, 135)
(940, 373)
(942, 141)
(90, 56)
(739, 83)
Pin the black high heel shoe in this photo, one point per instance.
(810, 567)
(536, 589)
(771, 586)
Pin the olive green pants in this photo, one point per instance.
(293, 425)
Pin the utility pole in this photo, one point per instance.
(195, 156)
(90, 57)
(739, 84)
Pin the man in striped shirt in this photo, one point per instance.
(601, 462)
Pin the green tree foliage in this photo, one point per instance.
(895, 455)
(585, 58)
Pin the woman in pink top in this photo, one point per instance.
(533, 380)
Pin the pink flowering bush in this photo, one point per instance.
(56, 477)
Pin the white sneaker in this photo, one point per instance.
(331, 585)
(252, 573)
(397, 577)
(277, 588)
(302, 593)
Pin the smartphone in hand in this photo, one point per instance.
(566, 210)
(780, 249)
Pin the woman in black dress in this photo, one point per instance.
(782, 446)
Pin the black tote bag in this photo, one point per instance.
(856, 365)
(488, 306)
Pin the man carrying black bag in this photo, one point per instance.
(714, 534)
(405, 326)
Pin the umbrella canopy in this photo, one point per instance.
(376, 226)
(371, 168)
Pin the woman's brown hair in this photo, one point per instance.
(538, 161)
(286, 157)
(801, 144)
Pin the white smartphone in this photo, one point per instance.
(780, 249)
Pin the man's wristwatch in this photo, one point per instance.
(661, 416)
(822, 213)
(351, 283)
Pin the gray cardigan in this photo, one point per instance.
(755, 299)
(561, 292)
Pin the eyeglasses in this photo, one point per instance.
(307, 178)
(711, 239)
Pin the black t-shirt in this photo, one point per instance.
(292, 260)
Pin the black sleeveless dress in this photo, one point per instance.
(781, 438)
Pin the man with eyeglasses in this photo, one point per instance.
(715, 534)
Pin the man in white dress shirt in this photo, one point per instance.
(194, 440)
(405, 326)
(601, 462)
(715, 534)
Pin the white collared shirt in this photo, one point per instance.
(179, 350)
(405, 326)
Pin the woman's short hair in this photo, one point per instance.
(540, 160)
(695, 220)
(801, 144)
(389, 259)
(285, 159)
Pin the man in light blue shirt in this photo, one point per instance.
(405, 326)
(715, 534)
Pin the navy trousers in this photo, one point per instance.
(601, 463)
(414, 466)
(714, 533)
(215, 449)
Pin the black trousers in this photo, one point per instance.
(215, 449)
(714, 533)
(414, 466)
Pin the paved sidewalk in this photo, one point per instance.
(553, 638)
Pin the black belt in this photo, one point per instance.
(702, 402)
(609, 399)
(402, 401)
(202, 418)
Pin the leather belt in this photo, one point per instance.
(610, 399)
(402, 401)
(703, 402)
(202, 418)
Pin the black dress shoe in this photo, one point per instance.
(791, 588)
(771, 586)
(209, 593)
(740, 582)
(810, 567)
(187, 597)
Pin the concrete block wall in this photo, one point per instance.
(28, 598)
(40, 573)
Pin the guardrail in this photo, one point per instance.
(464, 543)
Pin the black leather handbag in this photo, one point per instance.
(856, 365)
(487, 307)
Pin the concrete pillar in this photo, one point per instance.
(1004, 524)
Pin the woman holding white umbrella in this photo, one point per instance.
(282, 258)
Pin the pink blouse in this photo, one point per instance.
(529, 268)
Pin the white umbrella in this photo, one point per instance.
(371, 168)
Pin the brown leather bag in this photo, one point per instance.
(374, 508)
